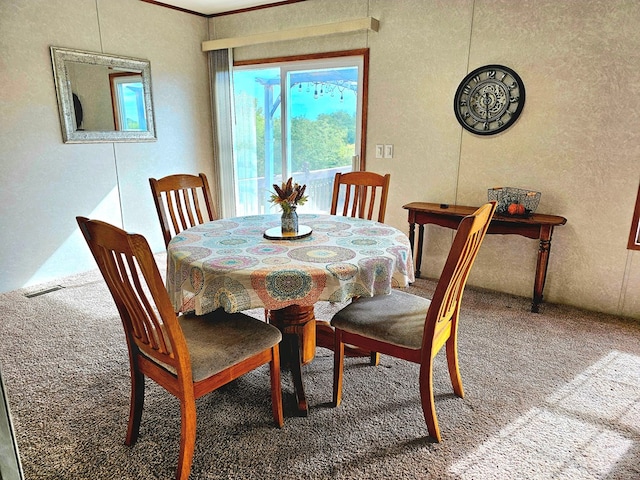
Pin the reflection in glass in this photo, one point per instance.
(128, 102)
(90, 84)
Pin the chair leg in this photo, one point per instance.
(276, 387)
(325, 337)
(187, 437)
(454, 369)
(135, 407)
(338, 368)
(428, 401)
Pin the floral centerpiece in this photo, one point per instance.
(288, 197)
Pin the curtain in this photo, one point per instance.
(220, 65)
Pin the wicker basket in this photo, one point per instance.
(506, 196)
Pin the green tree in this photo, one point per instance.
(345, 120)
(320, 143)
(325, 142)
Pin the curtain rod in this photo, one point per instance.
(367, 23)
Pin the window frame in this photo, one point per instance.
(117, 101)
(634, 234)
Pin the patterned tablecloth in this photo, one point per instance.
(227, 263)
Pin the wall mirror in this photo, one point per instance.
(103, 98)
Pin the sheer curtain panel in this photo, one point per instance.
(220, 62)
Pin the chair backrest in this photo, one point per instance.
(442, 317)
(180, 196)
(129, 269)
(362, 189)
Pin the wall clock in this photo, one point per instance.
(489, 100)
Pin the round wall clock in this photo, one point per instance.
(489, 100)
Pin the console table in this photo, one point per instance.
(536, 226)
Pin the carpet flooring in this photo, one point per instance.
(554, 395)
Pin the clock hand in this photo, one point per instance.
(486, 105)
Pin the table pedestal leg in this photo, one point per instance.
(298, 327)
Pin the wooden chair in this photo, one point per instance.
(189, 356)
(361, 189)
(411, 327)
(180, 197)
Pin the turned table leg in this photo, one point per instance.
(541, 266)
(418, 254)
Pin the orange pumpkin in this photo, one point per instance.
(516, 209)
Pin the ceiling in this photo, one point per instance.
(217, 7)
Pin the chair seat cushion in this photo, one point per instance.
(397, 318)
(219, 340)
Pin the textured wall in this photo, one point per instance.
(576, 140)
(44, 183)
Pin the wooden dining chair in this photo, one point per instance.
(358, 194)
(179, 199)
(413, 328)
(188, 355)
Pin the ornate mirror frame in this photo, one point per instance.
(61, 58)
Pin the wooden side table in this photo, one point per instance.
(537, 226)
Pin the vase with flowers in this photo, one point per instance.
(288, 197)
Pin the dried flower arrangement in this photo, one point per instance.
(289, 195)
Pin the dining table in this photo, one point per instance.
(245, 263)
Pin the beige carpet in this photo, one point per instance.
(554, 395)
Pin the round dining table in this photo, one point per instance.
(236, 264)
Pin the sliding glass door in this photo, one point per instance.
(299, 119)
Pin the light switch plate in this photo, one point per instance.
(388, 151)
(379, 151)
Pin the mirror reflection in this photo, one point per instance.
(103, 98)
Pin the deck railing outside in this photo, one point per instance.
(254, 193)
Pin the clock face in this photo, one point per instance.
(489, 100)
